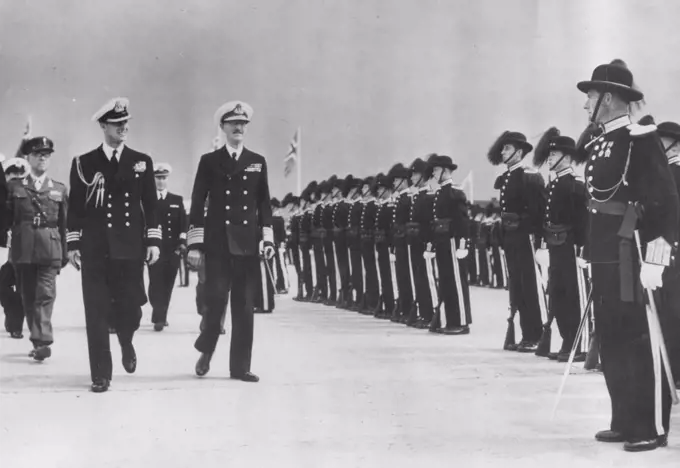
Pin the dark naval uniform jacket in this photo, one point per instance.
(38, 222)
(566, 216)
(239, 210)
(173, 219)
(112, 212)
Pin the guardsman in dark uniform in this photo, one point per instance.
(294, 246)
(475, 214)
(496, 253)
(631, 188)
(319, 237)
(327, 228)
(450, 236)
(523, 205)
(565, 231)
(162, 274)
(371, 298)
(484, 247)
(280, 240)
(417, 231)
(10, 296)
(383, 245)
(400, 177)
(670, 293)
(341, 209)
(112, 229)
(234, 180)
(354, 241)
(37, 207)
(307, 200)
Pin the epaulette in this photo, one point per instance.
(637, 130)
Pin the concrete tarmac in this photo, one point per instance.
(337, 389)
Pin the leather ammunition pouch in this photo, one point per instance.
(319, 233)
(442, 227)
(412, 231)
(511, 221)
(556, 234)
(352, 232)
(399, 231)
(338, 230)
(366, 236)
(380, 236)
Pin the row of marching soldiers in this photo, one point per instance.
(393, 245)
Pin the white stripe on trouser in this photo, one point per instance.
(477, 263)
(539, 284)
(265, 280)
(284, 269)
(489, 261)
(338, 281)
(654, 334)
(431, 281)
(393, 275)
(312, 262)
(410, 272)
(459, 284)
(504, 266)
(377, 270)
(580, 280)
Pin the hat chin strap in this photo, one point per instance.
(673, 143)
(552, 168)
(598, 104)
(505, 161)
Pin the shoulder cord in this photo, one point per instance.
(616, 186)
(97, 185)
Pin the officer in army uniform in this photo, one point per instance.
(383, 246)
(565, 231)
(37, 207)
(307, 201)
(371, 297)
(523, 205)
(401, 182)
(234, 180)
(112, 230)
(631, 188)
(354, 241)
(163, 274)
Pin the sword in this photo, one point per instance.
(540, 287)
(459, 284)
(265, 289)
(284, 269)
(269, 271)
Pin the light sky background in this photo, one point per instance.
(370, 82)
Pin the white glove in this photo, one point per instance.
(543, 258)
(461, 253)
(267, 250)
(582, 263)
(427, 255)
(393, 258)
(651, 276)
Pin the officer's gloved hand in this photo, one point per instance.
(153, 253)
(461, 254)
(195, 259)
(543, 258)
(651, 275)
(267, 250)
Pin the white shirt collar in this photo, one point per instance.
(231, 150)
(565, 171)
(616, 123)
(515, 166)
(162, 193)
(40, 179)
(108, 151)
(447, 182)
(406, 190)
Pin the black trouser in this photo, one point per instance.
(264, 296)
(454, 289)
(38, 288)
(277, 270)
(471, 260)
(668, 299)
(564, 292)
(403, 266)
(483, 268)
(372, 292)
(183, 271)
(236, 276)
(626, 358)
(357, 272)
(10, 299)
(498, 268)
(342, 254)
(385, 270)
(321, 271)
(162, 277)
(307, 279)
(330, 268)
(202, 300)
(523, 289)
(295, 257)
(420, 281)
(113, 293)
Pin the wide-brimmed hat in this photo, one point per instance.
(398, 171)
(615, 77)
(440, 160)
(517, 139)
(669, 130)
(553, 140)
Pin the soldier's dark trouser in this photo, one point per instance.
(626, 357)
(472, 265)
(483, 270)
(454, 290)
(307, 279)
(277, 271)
(162, 277)
(236, 276)
(403, 266)
(668, 299)
(423, 295)
(264, 295)
(113, 291)
(372, 292)
(321, 271)
(202, 301)
(564, 293)
(183, 271)
(343, 262)
(10, 299)
(523, 289)
(330, 268)
(386, 286)
(295, 257)
(357, 273)
(497, 266)
(38, 288)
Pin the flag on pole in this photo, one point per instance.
(467, 187)
(291, 158)
(24, 137)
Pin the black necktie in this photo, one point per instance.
(114, 161)
(233, 156)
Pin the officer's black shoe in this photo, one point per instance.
(42, 352)
(553, 356)
(31, 353)
(17, 335)
(257, 310)
(578, 357)
(527, 347)
(464, 330)
(609, 436)
(158, 326)
(129, 358)
(246, 377)
(203, 364)
(100, 385)
(511, 347)
(646, 445)
(166, 323)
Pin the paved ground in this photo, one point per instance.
(338, 390)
